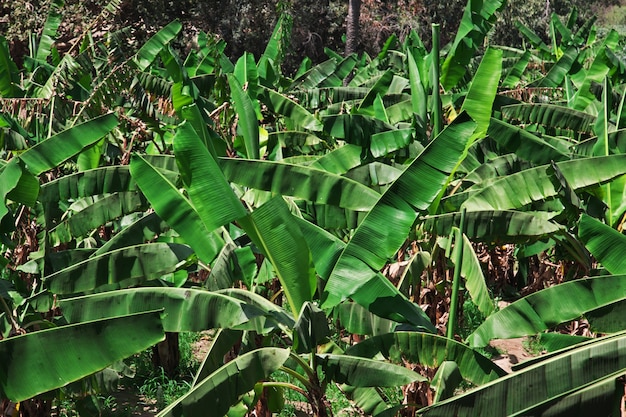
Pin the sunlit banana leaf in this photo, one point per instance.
(280, 315)
(49, 31)
(175, 209)
(185, 309)
(363, 372)
(429, 350)
(308, 183)
(221, 389)
(606, 244)
(72, 352)
(520, 189)
(51, 152)
(212, 197)
(386, 142)
(272, 228)
(549, 307)
(493, 226)
(325, 247)
(542, 384)
(120, 268)
(380, 87)
(479, 99)
(151, 49)
(342, 159)
(140, 231)
(556, 75)
(247, 74)
(384, 229)
(514, 75)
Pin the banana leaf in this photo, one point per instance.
(120, 268)
(98, 212)
(247, 74)
(535, 184)
(358, 320)
(175, 209)
(310, 329)
(308, 183)
(386, 142)
(479, 99)
(151, 49)
(212, 197)
(342, 159)
(72, 352)
(540, 385)
(49, 31)
(446, 381)
(429, 350)
(514, 75)
(550, 116)
(556, 75)
(493, 226)
(605, 243)
(549, 307)
(222, 343)
(51, 152)
(185, 309)
(478, 18)
(277, 313)
(272, 228)
(9, 74)
(355, 129)
(385, 227)
(140, 231)
(315, 76)
(282, 105)
(363, 372)
(497, 167)
(380, 88)
(248, 124)
(221, 389)
(14, 187)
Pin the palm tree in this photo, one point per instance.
(352, 26)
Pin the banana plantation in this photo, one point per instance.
(336, 226)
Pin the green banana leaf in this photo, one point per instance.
(549, 307)
(535, 184)
(151, 49)
(248, 124)
(355, 129)
(551, 116)
(98, 212)
(316, 76)
(556, 75)
(380, 88)
(525, 145)
(358, 320)
(446, 381)
(514, 75)
(325, 247)
(311, 184)
(482, 92)
(493, 226)
(362, 372)
(419, 98)
(385, 227)
(310, 329)
(497, 167)
(272, 228)
(51, 152)
(120, 268)
(281, 104)
(247, 74)
(140, 231)
(49, 31)
(540, 385)
(384, 143)
(277, 313)
(341, 160)
(605, 243)
(473, 274)
(185, 310)
(15, 185)
(429, 350)
(72, 352)
(9, 74)
(478, 18)
(175, 209)
(221, 389)
(210, 194)
(222, 343)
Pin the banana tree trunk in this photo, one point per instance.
(352, 26)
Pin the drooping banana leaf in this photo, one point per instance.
(385, 227)
(478, 18)
(51, 152)
(355, 129)
(175, 209)
(279, 314)
(541, 384)
(380, 88)
(526, 145)
(72, 352)
(497, 167)
(120, 268)
(386, 142)
(606, 244)
(520, 189)
(310, 329)
(221, 389)
(446, 381)
(222, 343)
(281, 104)
(212, 197)
(514, 75)
(9, 74)
(151, 49)
(16, 184)
(311, 184)
(552, 117)
(556, 75)
(493, 226)
(98, 212)
(185, 309)
(363, 372)
(358, 320)
(549, 307)
(273, 229)
(140, 231)
(49, 32)
(342, 159)
(429, 350)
